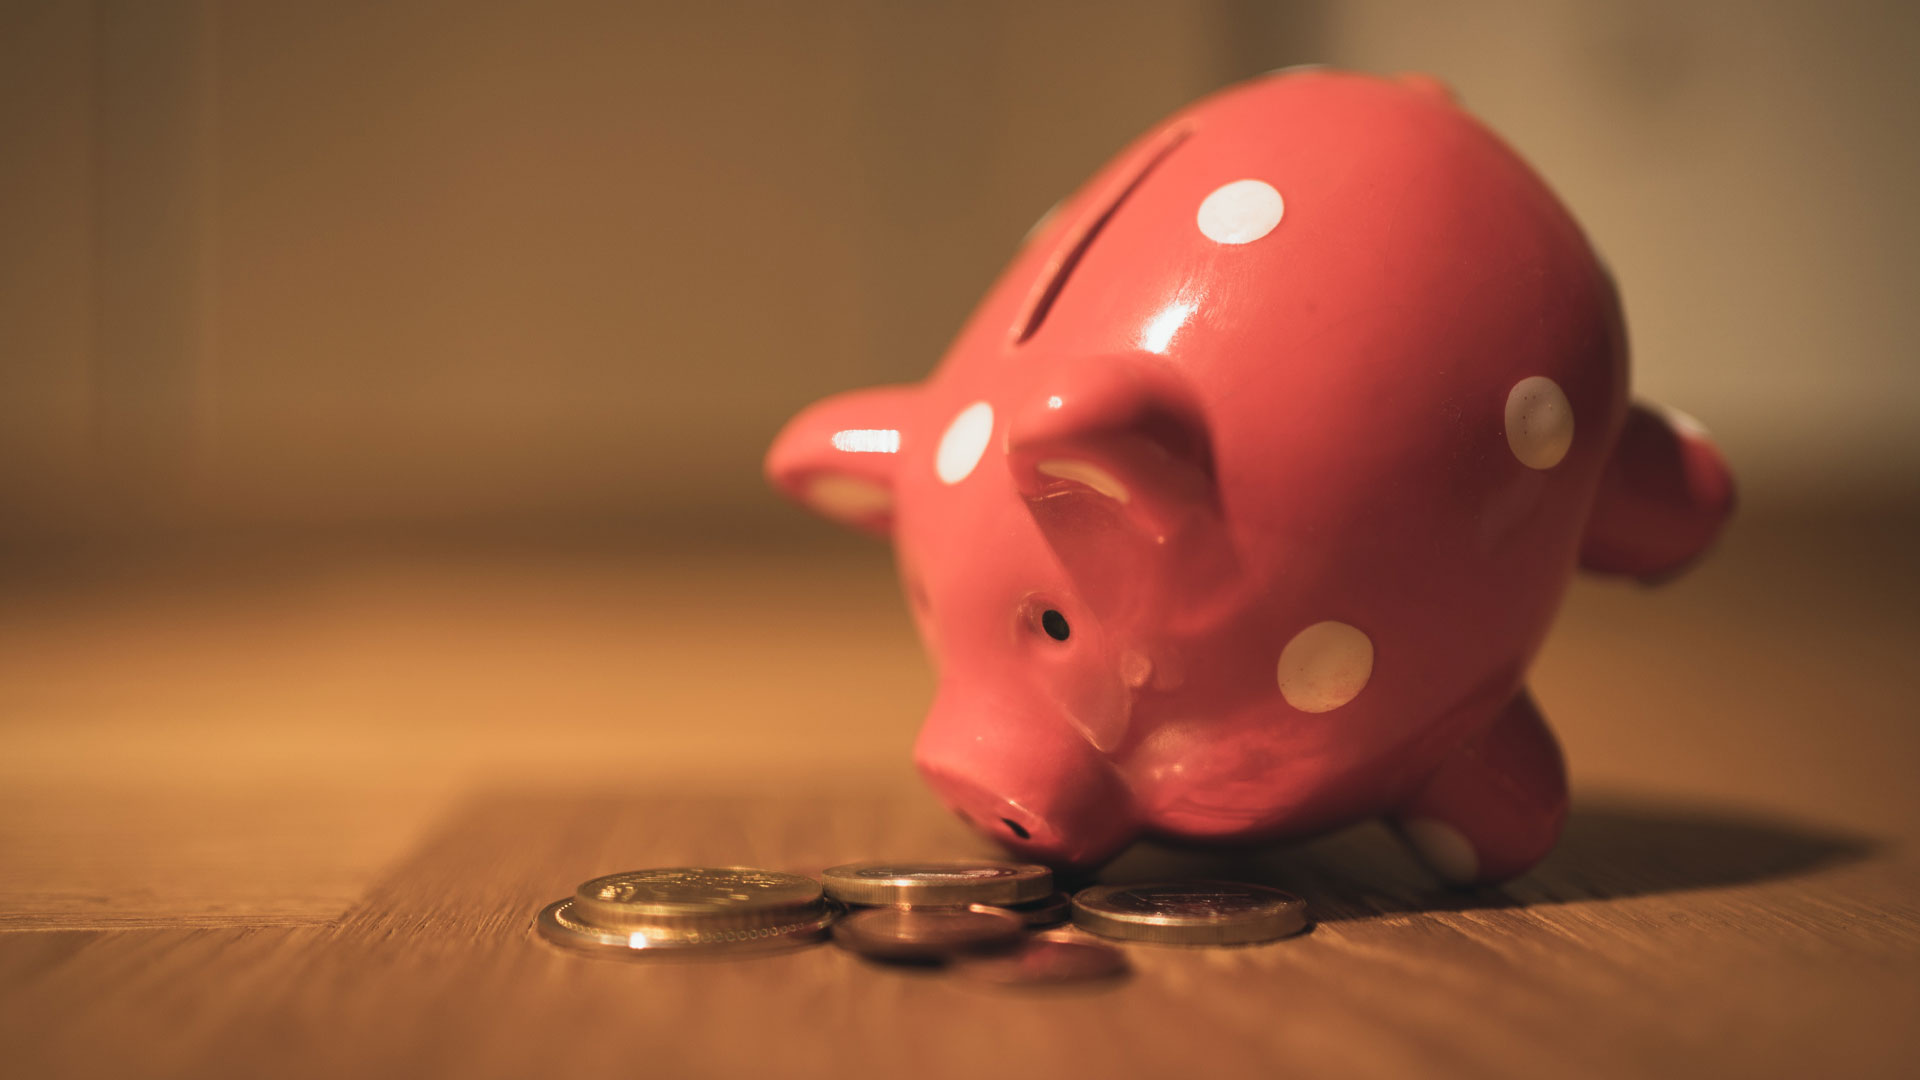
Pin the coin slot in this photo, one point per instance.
(1049, 292)
(1018, 829)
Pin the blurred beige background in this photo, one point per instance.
(318, 266)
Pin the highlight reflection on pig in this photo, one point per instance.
(1240, 506)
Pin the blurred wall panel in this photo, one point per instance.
(152, 255)
(581, 260)
(358, 264)
(513, 260)
(325, 264)
(46, 264)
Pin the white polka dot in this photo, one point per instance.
(1241, 212)
(1085, 472)
(1444, 848)
(847, 498)
(1325, 666)
(966, 439)
(1539, 422)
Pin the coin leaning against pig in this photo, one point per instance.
(978, 917)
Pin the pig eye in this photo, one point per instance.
(1055, 624)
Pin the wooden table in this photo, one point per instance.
(285, 813)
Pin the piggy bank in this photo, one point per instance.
(1239, 507)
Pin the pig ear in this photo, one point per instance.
(1112, 440)
(1663, 498)
(838, 456)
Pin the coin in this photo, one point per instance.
(1190, 912)
(1047, 962)
(695, 897)
(938, 884)
(1049, 910)
(899, 933)
(558, 924)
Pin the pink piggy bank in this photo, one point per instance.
(1240, 506)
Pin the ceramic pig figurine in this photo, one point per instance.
(1239, 508)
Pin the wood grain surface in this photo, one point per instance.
(272, 813)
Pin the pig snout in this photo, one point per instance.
(1035, 785)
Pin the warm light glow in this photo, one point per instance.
(1053, 402)
(637, 940)
(1158, 333)
(867, 441)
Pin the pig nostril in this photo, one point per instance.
(1019, 830)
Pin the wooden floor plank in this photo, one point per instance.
(1744, 945)
(295, 818)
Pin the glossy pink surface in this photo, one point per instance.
(1274, 414)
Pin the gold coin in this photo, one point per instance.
(695, 897)
(558, 924)
(938, 884)
(1190, 912)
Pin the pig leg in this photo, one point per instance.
(1496, 806)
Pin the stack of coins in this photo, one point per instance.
(681, 908)
(975, 916)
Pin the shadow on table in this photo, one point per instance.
(1613, 847)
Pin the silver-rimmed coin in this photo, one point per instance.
(922, 934)
(558, 924)
(1050, 910)
(703, 897)
(1190, 912)
(1047, 962)
(938, 884)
